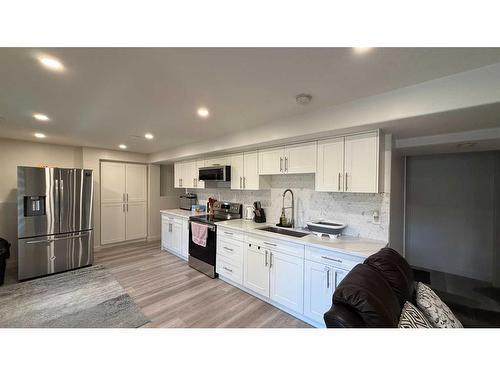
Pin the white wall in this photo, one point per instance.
(450, 213)
(169, 196)
(396, 220)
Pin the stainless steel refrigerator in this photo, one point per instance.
(54, 220)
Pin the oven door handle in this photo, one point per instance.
(209, 226)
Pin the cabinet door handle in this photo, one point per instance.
(123, 208)
(340, 175)
(346, 181)
(228, 248)
(227, 269)
(327, 278)
(127, 207)
(281, 164)
(170, 228)
(228, 233)
(270, 259)
(270, 244)
(127, 197)
(333, 259)
(265, 263)
(244, 182)
(286, 164)
(241, 184)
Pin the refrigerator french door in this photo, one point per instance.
(54, 220)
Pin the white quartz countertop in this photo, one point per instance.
(185, 214)
(357, 246)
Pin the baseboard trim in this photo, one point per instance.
(153, 238)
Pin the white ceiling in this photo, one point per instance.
(108, 96)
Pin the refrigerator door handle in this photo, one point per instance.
(58, 238)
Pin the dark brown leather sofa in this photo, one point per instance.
(373, 295)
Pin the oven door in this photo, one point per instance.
(205, 254)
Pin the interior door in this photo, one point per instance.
(287, 280)
(330, 172)
(251, 170)
(237, 171)
(361, 163)
(113, 203)
(300, 158)
(256, 271)
(271, 161)
(318, 290)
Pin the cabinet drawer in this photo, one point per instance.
(230, 249)
(332, 258)
(229, 233)
(284, 247)
(229, 269)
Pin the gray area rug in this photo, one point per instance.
(84, 298)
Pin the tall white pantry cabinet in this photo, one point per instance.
(123, 202)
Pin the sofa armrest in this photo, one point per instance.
(342, 316)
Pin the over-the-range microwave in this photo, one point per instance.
(215, 173)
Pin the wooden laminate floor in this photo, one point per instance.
(172, 294)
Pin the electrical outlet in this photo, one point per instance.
(376, 217)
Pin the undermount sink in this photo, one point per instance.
(286, 232)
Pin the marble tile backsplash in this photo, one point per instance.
(354, 209)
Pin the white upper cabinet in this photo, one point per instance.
(361, 163)
(271, 161)
(237, 171)
(198, 183)
(185, 174)
(245, 171)
(220, 160)
(330, 173)
(251, 179)
(349, 164)
(300, 158)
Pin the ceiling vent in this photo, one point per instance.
(303, 99)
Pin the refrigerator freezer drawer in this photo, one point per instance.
(45, 255)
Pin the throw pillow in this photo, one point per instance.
(411, 317)
(435, 310)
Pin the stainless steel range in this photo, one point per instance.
(202, 258)
(54, 220)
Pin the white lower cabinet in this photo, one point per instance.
(319, 287)
(274, 274)
(256, 274)
(175, 235)
(287, 280)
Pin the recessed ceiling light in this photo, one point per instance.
(41, 117)
(123, 147)
(51, 63)
(203, 112)
(361, 50)
(148, 136)
(39, 135)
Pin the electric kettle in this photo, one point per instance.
(249, 213)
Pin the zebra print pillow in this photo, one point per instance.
(411, 317)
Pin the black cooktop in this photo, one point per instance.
(211, 218)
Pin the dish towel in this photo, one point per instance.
(199, 234)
